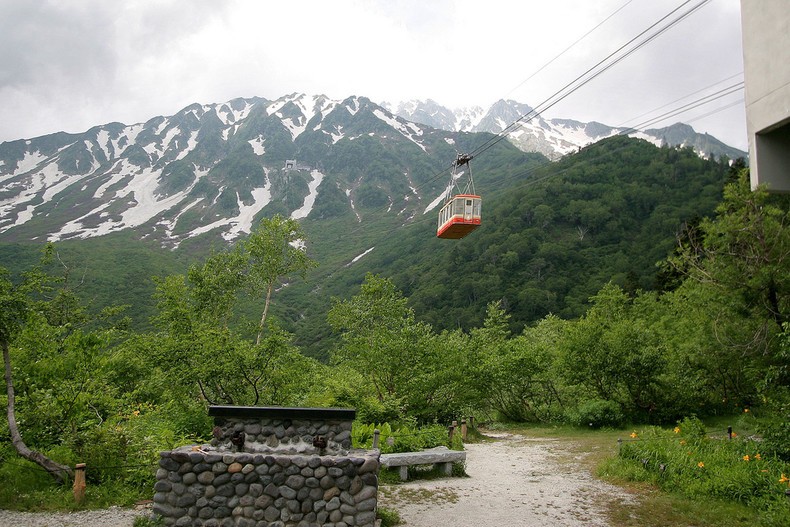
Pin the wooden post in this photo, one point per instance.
(376, 435)
(450, 431)
(463, 429)
(729, 432)
(79, 483)
(472, 422)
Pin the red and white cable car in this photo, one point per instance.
(460, 214)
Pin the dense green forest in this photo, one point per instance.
(704, 333)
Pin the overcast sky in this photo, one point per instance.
(70, 65)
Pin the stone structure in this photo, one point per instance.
(270, 467)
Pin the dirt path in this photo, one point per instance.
(514, 481)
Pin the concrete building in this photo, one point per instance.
(766, 58)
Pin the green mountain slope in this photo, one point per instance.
(551, 238)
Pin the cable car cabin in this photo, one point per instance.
(459, 216)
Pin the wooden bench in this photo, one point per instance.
(432, 456)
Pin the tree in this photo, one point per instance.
(739, 264)
(275, 251)
(195, 313)
(614, 354)
(383, 341)
(15, 306)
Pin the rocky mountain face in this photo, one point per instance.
(216, 167)
(553, 138)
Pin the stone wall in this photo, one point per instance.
(212, 489)
(286, 472)
(293, 436)
(283, 430)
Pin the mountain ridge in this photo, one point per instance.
(555, 137)
(215, 168)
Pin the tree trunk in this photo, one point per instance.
(265, 310)
(61, 473)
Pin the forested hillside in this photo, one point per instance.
(552, 236)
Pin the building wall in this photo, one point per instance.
(766, 54)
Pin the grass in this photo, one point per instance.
(26, 487)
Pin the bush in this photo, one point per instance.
(404, 438)
(685, 460)
(596, 414)
(389, 517)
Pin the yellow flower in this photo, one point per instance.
(784, 479)
(682, 441)
(757, 456)
(677, 429)
(734, 434)
(633, 435)
(746, 457)
(746, 410)
(136, 413)
(701, 464)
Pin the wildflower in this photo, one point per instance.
(701, 464)
(746, 457)
(784, 479)
(633, 435)
(677, 429)
(757, 456)
(734, 434)
(682, 441)
(136, 413)
(746, 410)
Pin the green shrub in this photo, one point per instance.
(388, 517)
(596, 414)
(684, 459)
(406, 438)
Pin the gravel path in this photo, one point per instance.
(514, 481)
(112, 517)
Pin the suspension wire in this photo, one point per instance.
(561, 53)
(571, 87)
(625, 131)
(528, 182)
(549, 102)
(729, 90)
(740, 73)
(591, 73)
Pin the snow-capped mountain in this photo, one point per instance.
(212, 167)
(219, 167)
(553, 138)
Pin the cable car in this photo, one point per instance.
(460, 214)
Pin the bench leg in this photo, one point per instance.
(448, 469)
(404, 472)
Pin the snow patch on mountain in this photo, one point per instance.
(359, 257)
(408, 130)
(257, 145)
(103, 141)
(29, 162)
(312, 194)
